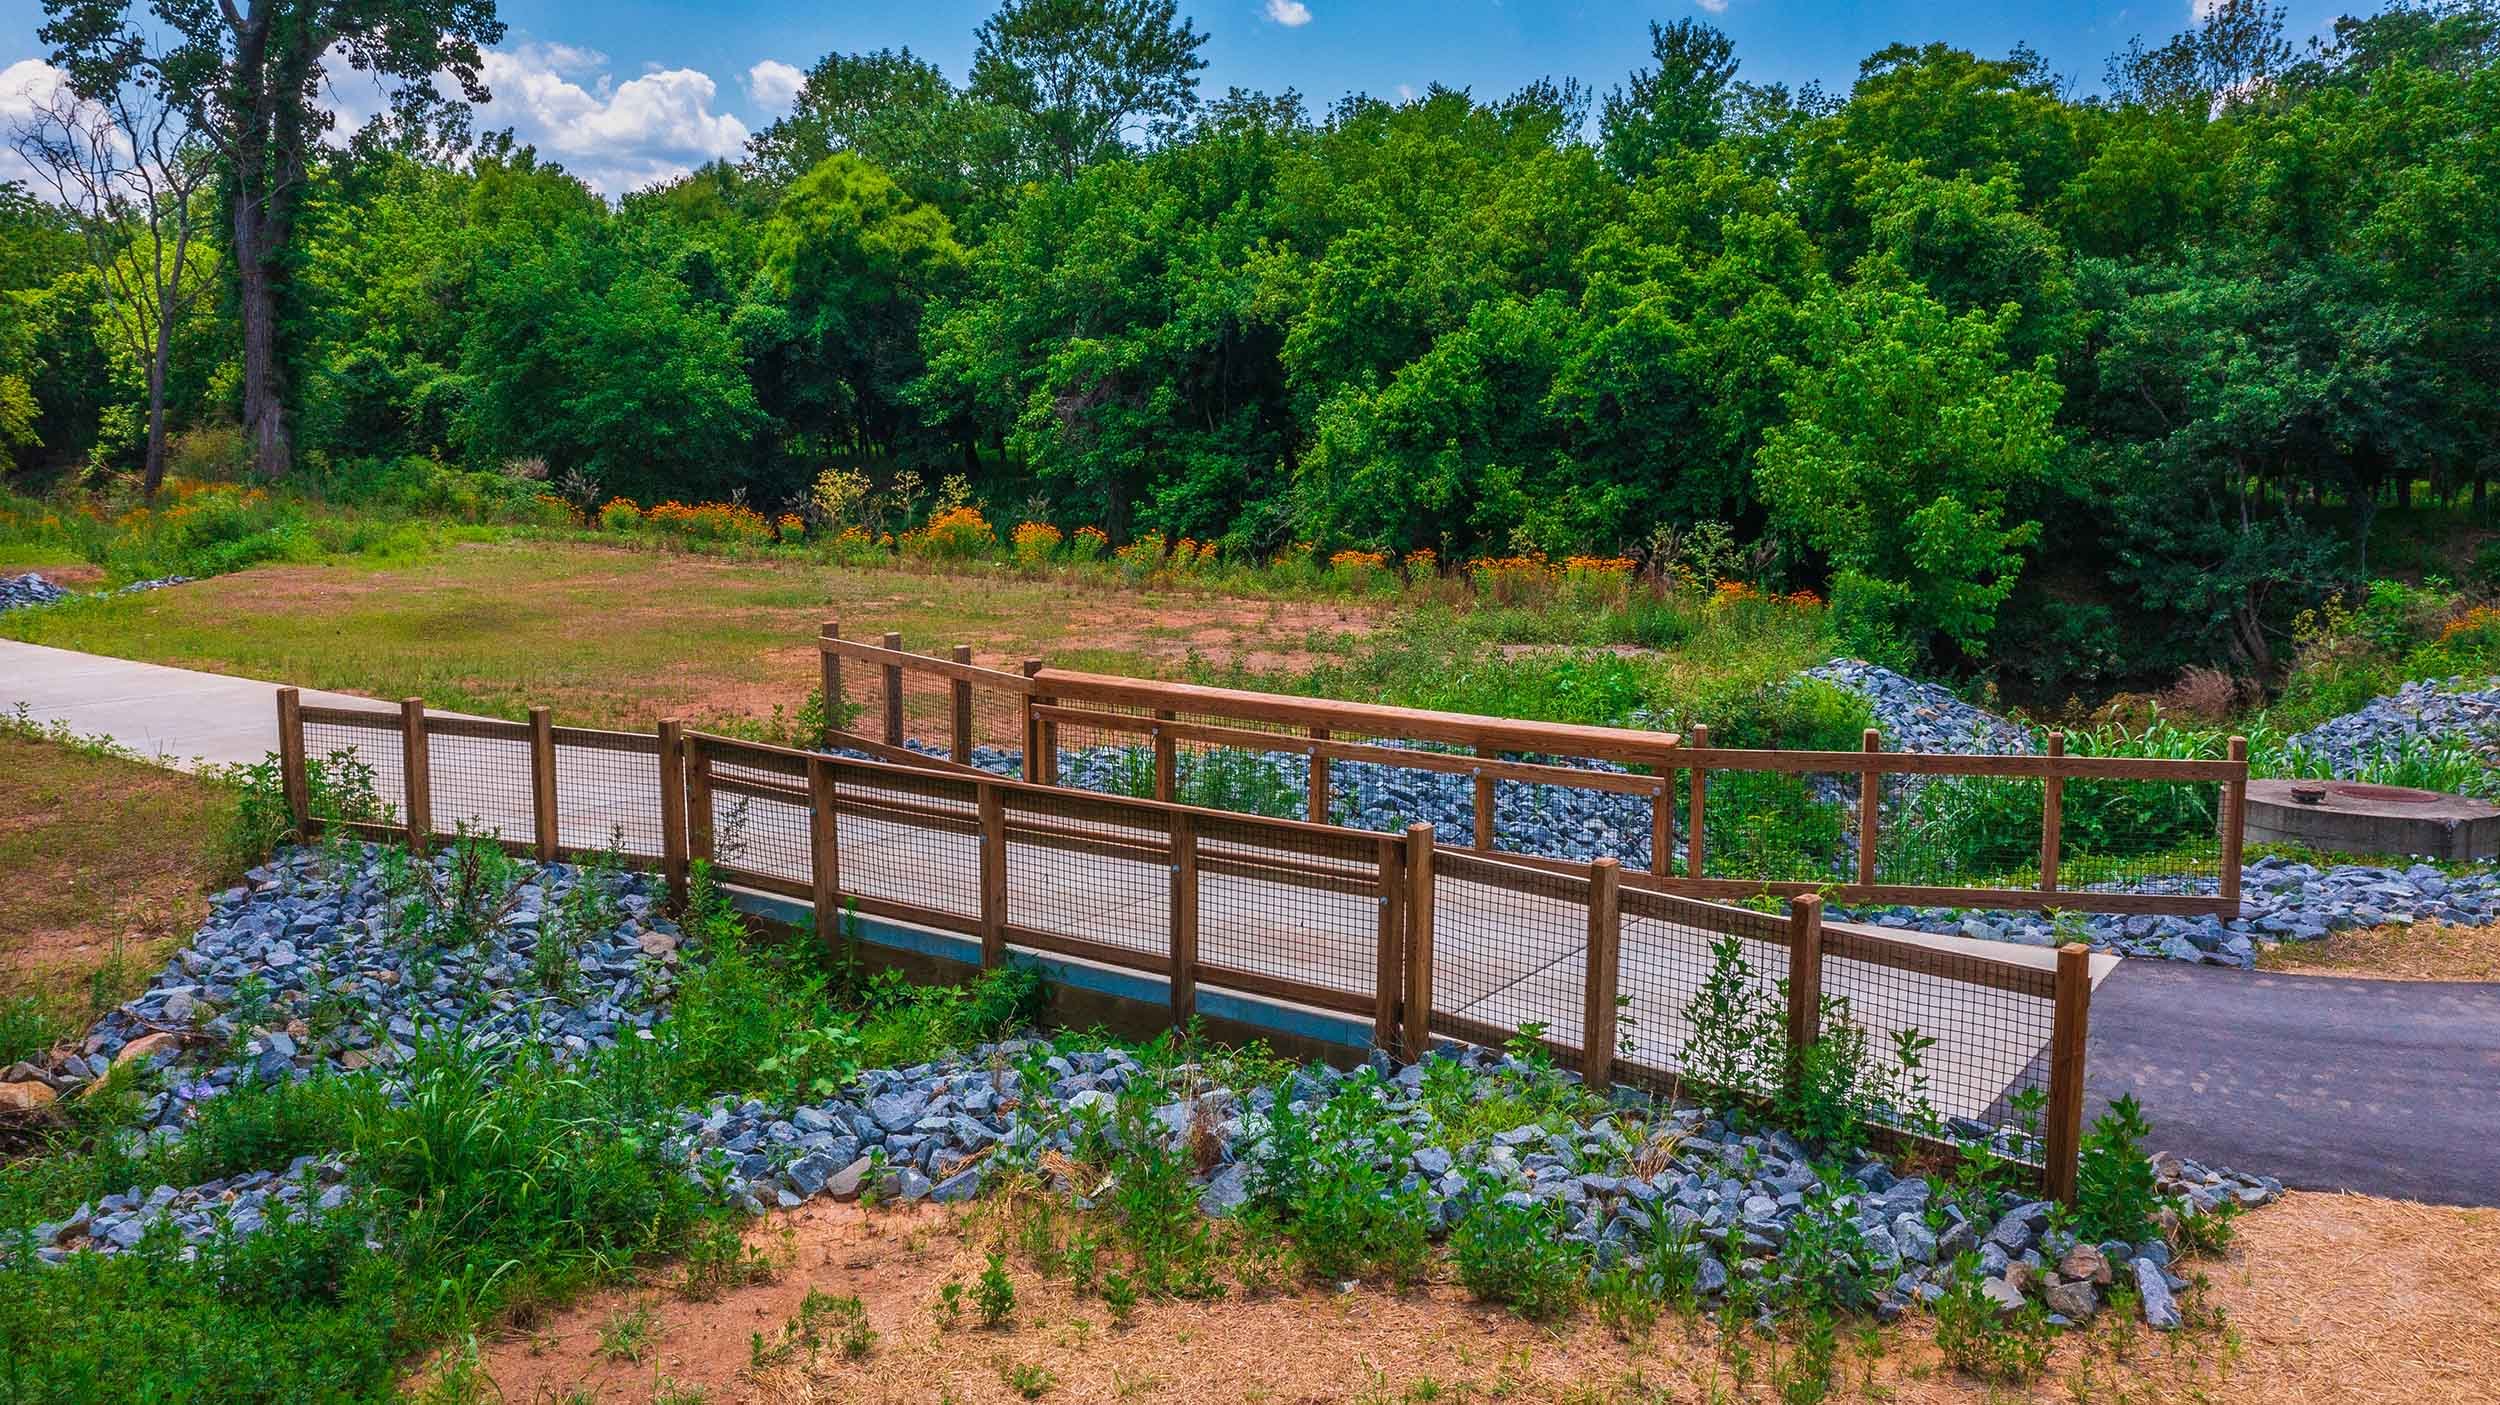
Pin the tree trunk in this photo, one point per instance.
(264, 386)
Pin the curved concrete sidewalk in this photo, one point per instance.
(178, 716)
(2385, 1087)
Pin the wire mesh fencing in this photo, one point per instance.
(1616, 981)
(360, 752)
(608, 792)
(481, 779)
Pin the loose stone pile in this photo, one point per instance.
(237, 1205)
(31, 589)
(1915, 716)
(939, 1132)
(301, 968)
(2433, 711)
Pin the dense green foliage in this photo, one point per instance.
(2076, 387)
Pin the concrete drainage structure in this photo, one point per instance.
(2352, 817)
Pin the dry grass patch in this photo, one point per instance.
(2324, 1298)
(2423, 951)
(98, 855)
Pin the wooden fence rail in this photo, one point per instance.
(1418, 940)
(1163, 720)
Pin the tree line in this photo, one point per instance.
(2069, 386)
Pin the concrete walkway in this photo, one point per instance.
(177, 715)
(2385, 1087)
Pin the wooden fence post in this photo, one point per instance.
(829, 668)
(543, 810)
(416, 773)
(993, 874)
(1870, 808)
(2234, 822)
(698, 802)
(673, 808)
(292, 776)
(2066, 1045)
(960, 734)
(1033, 739)
(1662, 825)
(824, 851)
(1484, 810)
(894, 693)
(1167, 756)
(1041, 759)
(1184, 982)
(1693, 864)
(1805, 975)
(2052, 817)
(1418, 940)
(1389, 953)
(1597, 1025)
(1319, 779)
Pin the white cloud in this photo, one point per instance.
(25, 85)
(1406, 92)
(1716, 7)
(616, 136)
(1292, 14)
(774, 84)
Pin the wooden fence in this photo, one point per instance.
(888, 703)
(1417, 939)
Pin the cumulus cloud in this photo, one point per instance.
(616, 136)
(1292, 14)
(25, 86)
(774, 84)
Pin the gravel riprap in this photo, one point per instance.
(1915, 716)
(300, 969)
(31, 589)
(315, 922)
(195, 1215)
(18, 592)
(2453, 709)
(940, 1132)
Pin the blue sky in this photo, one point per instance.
(625, 91)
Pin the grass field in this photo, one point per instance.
(618, 636)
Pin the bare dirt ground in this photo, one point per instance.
(2323, 1298)
(78, 576)
(2424, 951)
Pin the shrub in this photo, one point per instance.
(791, 527)
(1977, 1337)
(1591, 581)
(1142, 559)
(1358, 571)
(711, 521)
(1087, 545)
(2469, 644)
(619, 515)
(2114, 1194)
(957, 534)
(1034, 543)
(1513, 1253)
(1513, 580)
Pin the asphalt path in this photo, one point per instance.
(2383, 1087)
